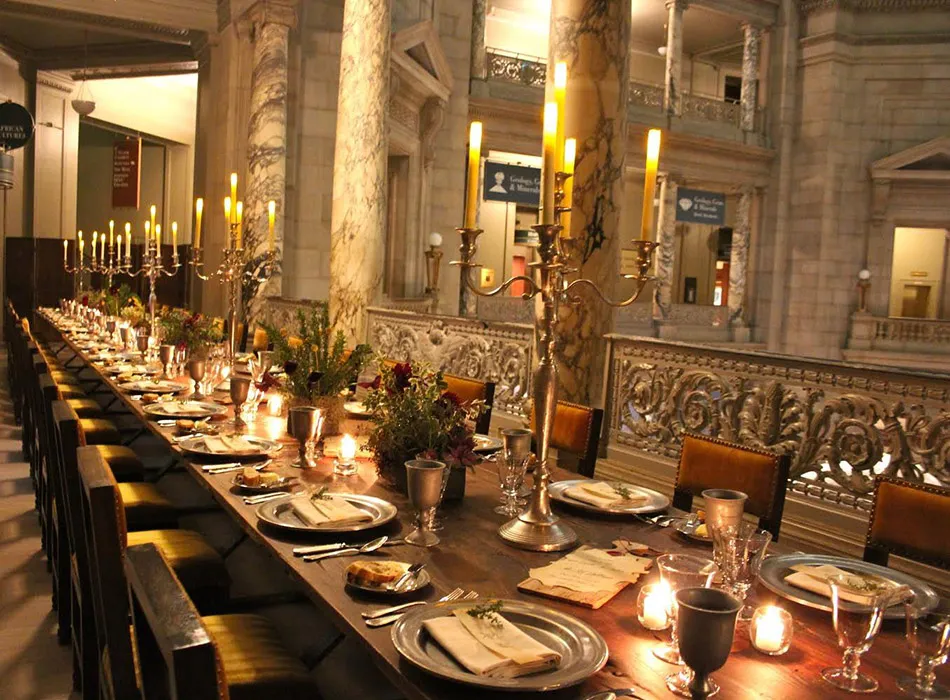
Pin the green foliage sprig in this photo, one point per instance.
(194, 332)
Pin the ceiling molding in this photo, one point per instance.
(136, 71)
(813, 6)
(105, 55)
(762, 13)
(135, 28)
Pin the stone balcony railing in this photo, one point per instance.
(899, 334)
(516, 68)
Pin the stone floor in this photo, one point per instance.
(32, 665)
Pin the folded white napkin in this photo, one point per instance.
(603, 495)
(815, 579)
(491, 647)
(173, 408)
(229, 445)
(316, 512)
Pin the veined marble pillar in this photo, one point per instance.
(739, 258)
(593, 38)
(665, 252)
(674, 55)
(479, 55)
(749, 99)
(267, 136)
(358, 218)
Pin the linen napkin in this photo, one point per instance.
(815, 579)
(336, 511)
(173, 408)
(491, 647)
(229, 445)
(603, 495)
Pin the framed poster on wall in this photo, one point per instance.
(126, 173)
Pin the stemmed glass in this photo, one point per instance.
(512, 467)
(239, 390)
(196, 370)
(425, 479)
(518, 442)
(928, 634)
(857, 624)
(166, 353)
(141, 342)
(706, 626)
(305, 423)
(739, 551)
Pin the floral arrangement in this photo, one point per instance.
(315, 360)
(117, 300)
(192, 331)
(414, 416)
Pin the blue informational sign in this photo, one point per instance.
(512, 183)
(700, 207)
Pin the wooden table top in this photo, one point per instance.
(472, 556)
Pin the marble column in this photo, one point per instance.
(358, 216)
(479, 55)
(267, 138)
(674, 55)
(739, 258)
(665, 254)
(752, 41)
(593, 37)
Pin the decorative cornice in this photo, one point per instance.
(283, 12)
(57, 81)
(813, 6)
(99, 22)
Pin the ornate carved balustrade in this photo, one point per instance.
(645, 95)
(282, 312)
(516, 68)
(496, 352)
(841, 424)
(711, 110)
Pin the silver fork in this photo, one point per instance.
(457, 594)
(265, 497)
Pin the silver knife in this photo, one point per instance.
(317, 548)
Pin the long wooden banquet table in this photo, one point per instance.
(473, 557)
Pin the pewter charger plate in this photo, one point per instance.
(187, 409)
(656, 503)
(280, 514)
(583, 651)
(775, 569)
(263, 447)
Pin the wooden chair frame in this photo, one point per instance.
(879, 552)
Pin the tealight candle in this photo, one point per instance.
(653, 606)
(345, 464)
(771, 630)
(275, 404)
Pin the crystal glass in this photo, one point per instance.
(858, 605)
(512, 467)
(928, 635)
(251, 405)
(240, 386)
(681, 571)
(518, 441)
(739, 549)
(425, 480)
(706, 626)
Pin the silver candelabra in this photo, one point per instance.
(153, 269)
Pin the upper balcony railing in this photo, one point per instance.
(516, 68)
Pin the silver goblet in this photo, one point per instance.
(304, 423)
(166, 353)
(240, 386)
(126, 334)
(425, 479)
(141, 342)
(196, 370)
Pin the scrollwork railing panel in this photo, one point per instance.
(709, 109)
(515, 68)
(495, 352)
(841, 424)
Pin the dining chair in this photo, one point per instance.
(469, 390)
(711, 463)
(184, 655)
(577, 432)
(911, 520)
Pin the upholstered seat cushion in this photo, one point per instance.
(197, 565)
(70, 391)
(468, 390)
(572, 425)
(146, 508)
(124, 463)
(61, 376)
(98, 431)
(85, 408)
(260, 339)
(255, 663)
(912, 520)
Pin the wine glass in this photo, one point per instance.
(928, 634)
(858, 605)
(518, 441)
(425, 480)
(305, 423)
(739, 550)
(705, 625)
(239, 390)
(512, 467)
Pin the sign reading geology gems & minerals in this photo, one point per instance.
(512, 183)
(16, 126)
(700, 207)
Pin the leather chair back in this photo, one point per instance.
(469, 390)
(910, 520)
(576, 431)
(708, 463)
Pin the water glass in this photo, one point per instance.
(739, 551)
(706, 626)
(512, 468)
(928, 635)
(425, 480)
(681, 571)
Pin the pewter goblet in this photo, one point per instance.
(425, 479)
(240, 386)
(304, 423)
(126, 334)
(196, 370)
(141, 342)
(166, 353)
(705, 625)
(724, 506)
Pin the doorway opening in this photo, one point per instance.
(918, 272)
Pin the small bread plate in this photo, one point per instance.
(656, 501)
(415, 583)
(583, 651)
(279, 513)
(258, 447)
(192, 410)
(687, 528)
(151, 386)
(486, 444)
(282, 483)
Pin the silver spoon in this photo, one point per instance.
(370, 546)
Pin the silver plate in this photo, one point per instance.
(196, 446)
(486, 444)
(687, 528)
(282, 483)
(418, 582)
(279, 514)
(583, 651)
(656, 503)
(150, 387)
(131, 369)
(775, 569)
(201, 410)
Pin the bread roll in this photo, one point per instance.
(269, 478)
(250, 477)
(375, 573)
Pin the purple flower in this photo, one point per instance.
(290, 367)
(402, 373)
